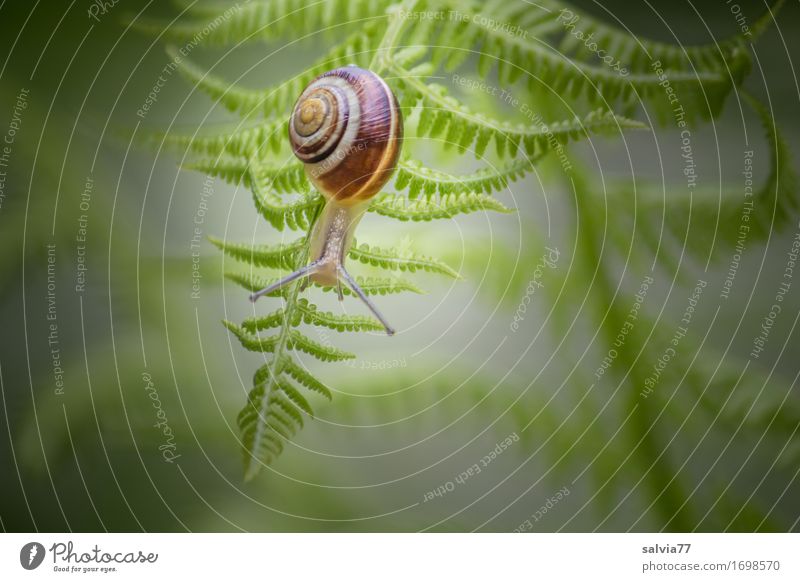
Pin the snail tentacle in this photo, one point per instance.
(302, 272)
(363, 296)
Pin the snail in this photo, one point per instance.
(347, 129)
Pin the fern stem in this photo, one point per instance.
(284, 335)
(380, 60)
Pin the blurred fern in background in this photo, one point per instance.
(507, 110)
(405, 43)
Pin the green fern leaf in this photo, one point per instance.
(637, 53)
(294, 396)
(230, 170)
(702, 77)
(322, 352)
(394, 260)
(254, 283)
(274, 256)
(246, 142)
(377, 36)
(260, 20)
(288, 407)
(440, 112)
(233, 97)
(777, 201)
(312, 316)
(304, 377)
(287, 179)
(295, 215)
(285, 364)
(266, 183)
(308, 313)
(279, 99)
(400, 208)
(417, 178)
(411, 175)
(250, 341)
(283, 256)
(256, 324)
(262, 443)
(295, 340)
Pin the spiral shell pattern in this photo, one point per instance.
(347, 129)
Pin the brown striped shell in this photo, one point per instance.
(347, 129)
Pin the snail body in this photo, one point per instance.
(347, 129)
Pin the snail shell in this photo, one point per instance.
(347, 129)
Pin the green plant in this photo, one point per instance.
(571, 93)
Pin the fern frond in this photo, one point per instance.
(777, 201)
(423, 209)
(304, 377)
(250, 341)
(246, 142)
(265, 183)
(255, 283)
(394, 260)
(271, 415)
(442, 115)
(286, 179)
(282, 423)
(457, 33)
(286, 364)
(383, 286)
(417, 178)
(322, 352)
(312, 316)
(231, 96)
(701, 91)
(265, 20)
(770, 208)
(307, 312)
(280, 256)
(411, 175)
(637, 53)
(278, 99)
(262, 322)
(295, 215)
(296, 340)
(711, 222)
(262, 440)
(231, 170)
(295, 396)
(287, 406)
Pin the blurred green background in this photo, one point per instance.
(716, 449)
